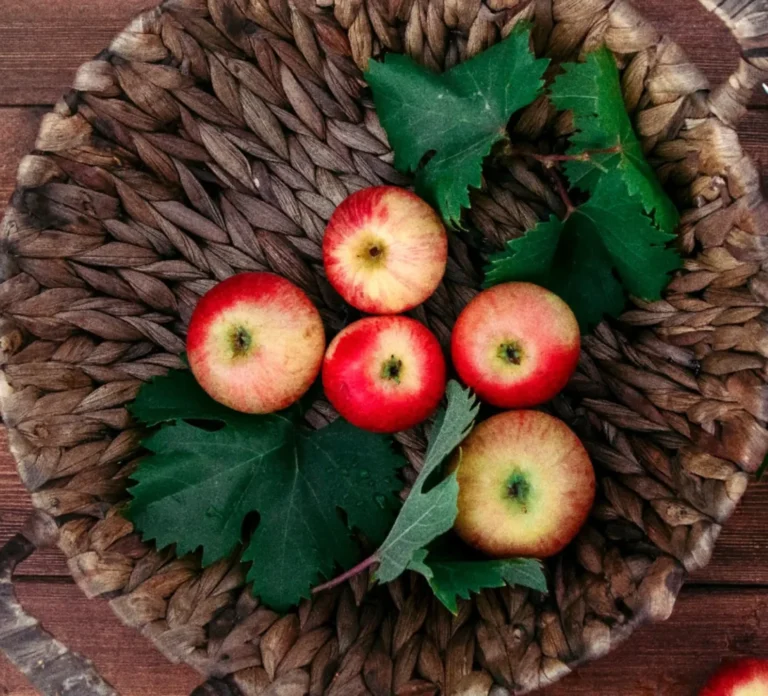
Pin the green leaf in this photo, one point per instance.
(582, 258)
(426, 514)
(450, 579)
(163, 398)
(200, 484)
(592, 90)
(458, 115)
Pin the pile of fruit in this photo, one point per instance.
(256, 345)
(520, 485)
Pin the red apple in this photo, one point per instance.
(526, 485)
(385, 250)
(255, 342)
(744, 677)
(516, 345)
(384, 374)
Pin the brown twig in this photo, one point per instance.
(551, 165)
(359, 568)
(551, 160)
(562, 191)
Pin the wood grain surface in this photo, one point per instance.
(42, 42)
(722, 611)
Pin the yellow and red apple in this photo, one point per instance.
(526, 485)
(516, 345)
(385, 250)
(384, 374)
(255, 342)
(743, 677)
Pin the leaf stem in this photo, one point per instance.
(359, 568)
(562, 191)
(551, 160)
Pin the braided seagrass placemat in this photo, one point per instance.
(216, 136)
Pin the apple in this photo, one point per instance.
(385, 250)
(384, 374)
(526, 485)
(516, 345)
(255, 342)
(743, 677)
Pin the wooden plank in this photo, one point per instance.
(42, 43)
(675, 658)
(18, 129)
(123, 657)
(705, 40)
(15, 506)
(668, 659)
(741, 552)
(753, 133)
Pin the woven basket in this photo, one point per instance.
(216, 136)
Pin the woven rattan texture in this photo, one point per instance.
(218, 136)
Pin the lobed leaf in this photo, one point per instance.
(426, 514)
(592, 90)
(458, 115)
(213, 469)
(450, 579)
(582, 258)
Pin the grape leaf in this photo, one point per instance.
(458, 115)
(592, 90)
(200, 484)
(450, 579)
(579, 258)
(426, 514)
(160, 400)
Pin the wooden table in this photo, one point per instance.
(722, 611)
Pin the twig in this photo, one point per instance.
(562, 191)
(359, 568)
(551, 160)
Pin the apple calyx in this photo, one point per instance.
(241, 341)
(373, 253)
(510, 352)
(519, 490)
(392, 369)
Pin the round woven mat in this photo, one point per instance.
(217, 136)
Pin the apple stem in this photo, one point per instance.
(359, 568)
